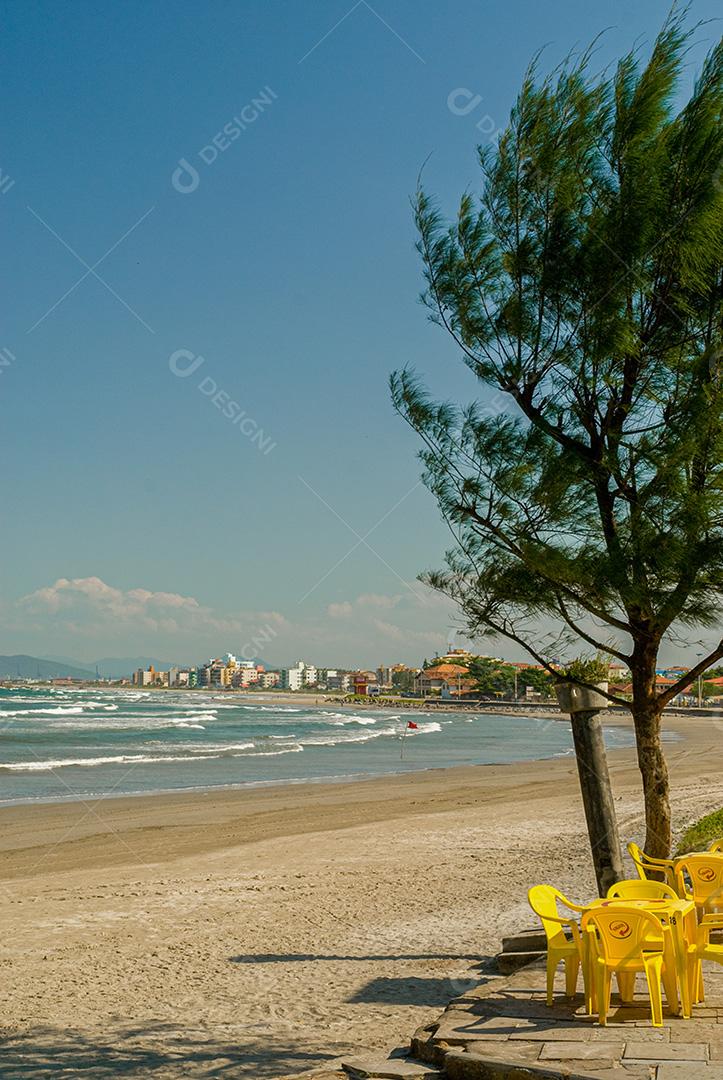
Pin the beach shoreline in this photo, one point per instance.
(271, 929)
(619, 720)
(85, 746)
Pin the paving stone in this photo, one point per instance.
(619, 1015)
(582, 1051)
(507, 1030)
(684, 1072)
(389, 1069)
(514, 1053)
(645, 1051)
(460, 1066)
(531, 1010)
(648, 1034)
(693, 1031)
(617, 1072)
(668, 1019)
(493, 1030)
(566, 1033)
(323, 1075)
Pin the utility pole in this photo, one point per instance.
(597, 795)
(597, 798)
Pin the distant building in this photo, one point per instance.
(385, 676)
(459, 687)
(338, 680)
(311, 676)
(247, 674)
(292, 678)
(268, 679)
(299, 675)
(360, 683)
(144, 677)
(434, 679)
(364, 682)
(216, 674)
(662, 682)
(456, 654)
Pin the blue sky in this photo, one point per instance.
(288, 270)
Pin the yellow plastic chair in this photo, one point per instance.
(647, 866)
(638, 889)
(716, 846)
(543, 900)
(697, 953)
(624, 941)
(703, 876)
(641, 889)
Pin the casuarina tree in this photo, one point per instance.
(583, 284)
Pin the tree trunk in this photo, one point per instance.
(651, 760)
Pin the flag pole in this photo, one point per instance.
(409, 724)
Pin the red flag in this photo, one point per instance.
(411, 724)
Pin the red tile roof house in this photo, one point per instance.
(466, 687)
(661, 683)
(435, 679)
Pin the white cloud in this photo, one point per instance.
(340, 611)
(350, 632)
(87, 605)
(402, 635)
(378, 600)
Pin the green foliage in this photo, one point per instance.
(699, 836)
(582, 283)
(583, 670)
(403, 680)
(495, 678)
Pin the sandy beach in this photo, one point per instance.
(262, 932)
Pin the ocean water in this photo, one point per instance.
(69, 743)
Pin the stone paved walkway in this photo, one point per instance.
(503, 1030)
(507, 1022)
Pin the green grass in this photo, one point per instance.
(699, 836)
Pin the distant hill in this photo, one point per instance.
(116, 667)
(33, 667)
